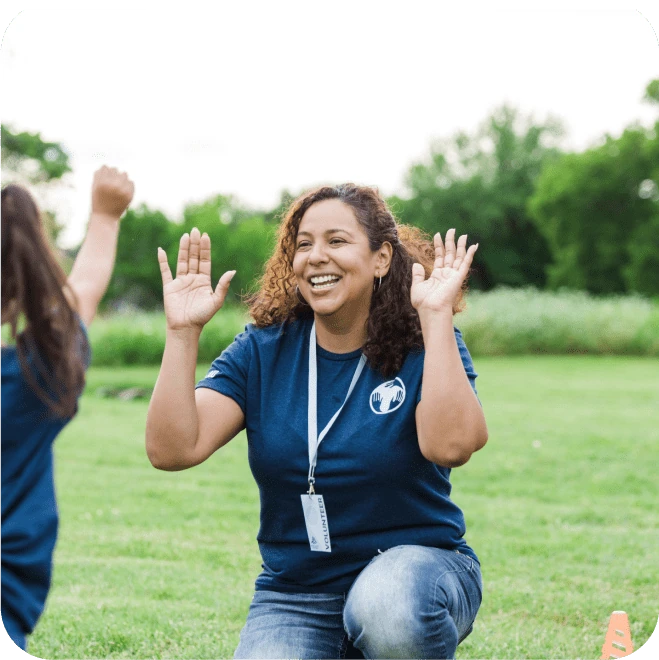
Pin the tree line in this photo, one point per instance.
(544, 217)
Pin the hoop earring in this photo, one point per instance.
(300, 298)
(376, 289)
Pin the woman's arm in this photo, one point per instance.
(112, 192)
(450, 421)
(185, 427)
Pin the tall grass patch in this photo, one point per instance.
(139, 338)
(504, 321)
(509, 321)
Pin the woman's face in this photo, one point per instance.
(333, 262)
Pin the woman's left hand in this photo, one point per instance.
(439, 292)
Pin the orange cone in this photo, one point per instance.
(618, 642)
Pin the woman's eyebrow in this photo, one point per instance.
(329, 231)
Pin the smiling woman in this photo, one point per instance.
(353, 342)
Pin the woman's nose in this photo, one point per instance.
(317, 254)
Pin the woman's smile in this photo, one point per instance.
(323, 282)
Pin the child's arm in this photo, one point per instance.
(112, 192)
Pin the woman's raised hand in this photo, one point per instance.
(190, 301)
(439, 292)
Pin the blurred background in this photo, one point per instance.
(534, 131)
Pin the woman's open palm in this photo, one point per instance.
(190, 301)
(441, 289)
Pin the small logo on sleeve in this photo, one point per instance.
(212, 373)
(387, 397)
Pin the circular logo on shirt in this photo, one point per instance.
(387, 397)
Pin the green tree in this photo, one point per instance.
(241, 239)
(599, 211)
(136, 280)
(652, 92)
(479, 184)
(29, 160)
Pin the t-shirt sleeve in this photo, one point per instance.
(84, 349)
(228, 373)
(467, 363)
(85, 346)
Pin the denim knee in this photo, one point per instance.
(381, 615)
(402, 604)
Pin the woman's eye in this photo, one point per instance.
(306, 244)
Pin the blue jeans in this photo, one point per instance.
(409, 602)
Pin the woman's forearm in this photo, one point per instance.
(172, 423)
(450, 420)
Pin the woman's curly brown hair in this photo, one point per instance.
(393, 327)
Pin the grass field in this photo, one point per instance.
(561, 506)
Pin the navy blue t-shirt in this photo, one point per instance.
(29, 508)
(379, 490)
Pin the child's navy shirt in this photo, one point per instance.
(29, 507)
(379, 490)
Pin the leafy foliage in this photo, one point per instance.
(543, 218)
(35, 160)
(479, 184)
(241, 240)
(136, 280)
(599, 211)
(652, 91)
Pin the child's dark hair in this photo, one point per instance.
(52, 348)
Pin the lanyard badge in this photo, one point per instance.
(313, 505)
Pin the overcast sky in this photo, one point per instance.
(254, 97)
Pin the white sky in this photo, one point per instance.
(251, 98)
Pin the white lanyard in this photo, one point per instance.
(314, 438)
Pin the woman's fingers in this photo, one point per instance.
(439, 251)
(461, 251)
(164, 267)
(449, 256)
(222, 287)
(193, 257)
(183, 253)
(418, 273)
(205, 254)
(466, 262)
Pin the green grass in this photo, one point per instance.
(560, 506)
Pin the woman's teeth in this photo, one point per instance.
(324, 282)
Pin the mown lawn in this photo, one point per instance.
(561, 506)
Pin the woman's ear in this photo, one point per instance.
(385, 254)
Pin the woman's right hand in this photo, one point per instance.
(190, 301)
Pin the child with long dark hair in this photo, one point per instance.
(43, 375)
